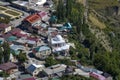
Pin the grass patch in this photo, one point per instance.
(12, 13)
(96, 22)
(101, 4)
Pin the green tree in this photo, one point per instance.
(22, 57)
(6, 51)
(1, 54)
(50, 61)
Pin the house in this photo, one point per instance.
(107, 76)
(39, 30)
(81, 73)
(87, 69)
(42, 51)
(2, 40)
(8, 67)
(18, 33)
(17, 49)
(66, 26)
(34, 69)
(26, 77)
(43, 15)
(97, 76)
(32, 20)
(33, 41)
(4, 28)
(57, 43)
(53, 19)
(11, 38)
(55, 70)
(49, 3)
(69, 70)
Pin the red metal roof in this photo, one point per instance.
(33, 18)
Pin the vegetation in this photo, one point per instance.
(22, 57)
(4, 52)
(5, 19)
(3, 74)
(96, 22)
(89, 50)
(2, 8)
(12, 13)
(50, 61)
(101, 4)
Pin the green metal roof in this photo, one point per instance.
(55, 79)
(11, 38)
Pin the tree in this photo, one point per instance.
(1, 54)
(61, 11)
(22, 57)
(50, 61)
(6, 51)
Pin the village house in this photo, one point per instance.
(25, 77)
(42, 51)
(57, 43)
(39, 30)
(17, 49)
(18, 33)
(55, 70)
(9, 67)
(43, 15)
(32, 20)
(107, 76)
(97, 76)
(4, 28)
(81, 73)
(28, 41)
(2, 40)
(34, 69)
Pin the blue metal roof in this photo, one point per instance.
(31, 68)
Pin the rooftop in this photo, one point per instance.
(26, 77)
(41, 48)
(33, 67)
(17, 47)
(55, 69)
(11, 38)
(57, 39)
(42, 14)
(7, 66)
(3, 25)
(33, 18)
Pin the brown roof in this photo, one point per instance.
(33, 18)
(15, 31)
(3, 26)
(7, 66)
(38, 27)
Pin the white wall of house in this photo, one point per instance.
(7, 29)
(43, 54)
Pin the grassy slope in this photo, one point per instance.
(101, 4)
(96, 22)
